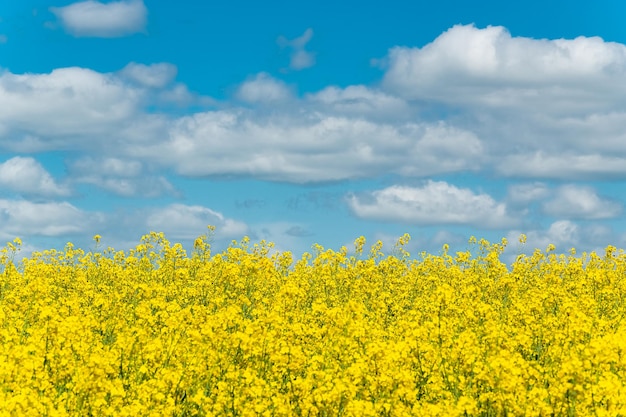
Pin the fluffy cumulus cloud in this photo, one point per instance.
(471, 101)
(105, 20)
(356, 131)
(333, 135)
(491, 67)
(436, 202)
(180, 221)
(85, 103)
(580, 202)
(91, 110)
(547, 108)
(341, 134)
(28, 177)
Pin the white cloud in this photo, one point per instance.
(21, 218)
(28, 177)
(263, 88)
(562, 166)
(107, 167)
(300, 58)
(360, 101)
(491, 67)
(564, 234)
(106, 20)
(544, 108)
(179, 221)
(147, 187)
(527, 193)
(68, 102)
(84, 110)
(121, 228)
(352, 132)
(579, 202)
(243, 143)
(180, 95)
(152, 76)
(125, 178)
(436, 202)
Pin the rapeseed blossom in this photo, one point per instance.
(254, 332)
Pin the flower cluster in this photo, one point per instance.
(253, 332)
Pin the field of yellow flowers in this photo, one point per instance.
(251, 332)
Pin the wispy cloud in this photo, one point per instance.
(299, 58)
(3, 37)
(122, 177)
(153, 76)
(580, 202)
(250, 203)
(563, 164)
(522, 194)
(298, 231)
(104, 20)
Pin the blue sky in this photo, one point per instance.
(313, 123)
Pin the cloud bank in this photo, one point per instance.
(472, 102)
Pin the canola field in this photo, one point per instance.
(155, 331)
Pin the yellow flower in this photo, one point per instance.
(250, 332)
